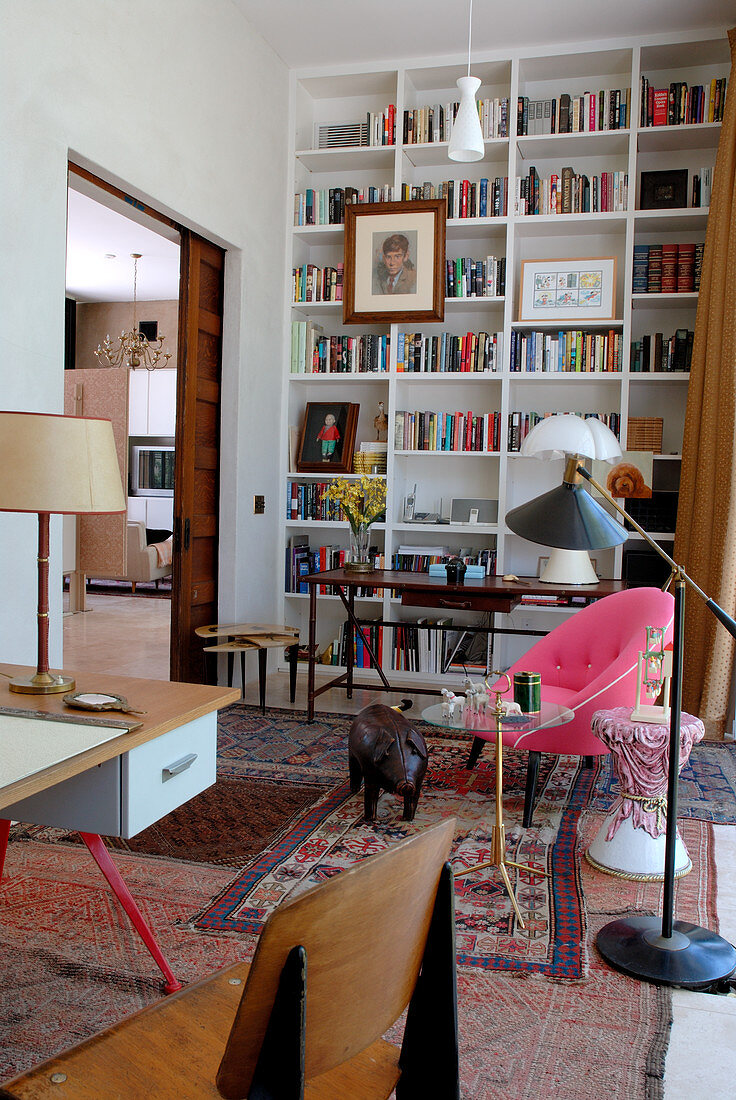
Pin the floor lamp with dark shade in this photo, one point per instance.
(60, 464)
(660, 950)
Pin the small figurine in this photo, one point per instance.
(653, 675)
(477, 695)
(380, 422)
(451, 703)
(386, 752)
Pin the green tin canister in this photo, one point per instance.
(528, 691)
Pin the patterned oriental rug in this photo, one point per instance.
(535, 1013)
(280, 745)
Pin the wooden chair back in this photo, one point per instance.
(364, 932)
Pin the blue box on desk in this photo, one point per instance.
(472, 572)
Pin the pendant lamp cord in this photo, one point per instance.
(470, 32)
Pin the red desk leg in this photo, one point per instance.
(4, 834)
(103, 860)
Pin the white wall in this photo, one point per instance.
(185, 106)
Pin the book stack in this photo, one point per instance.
(466, 278)
(371, 459)
(327, 206)
(653, 352)
(571, 350)
(521, 423)
(667, 268)
(417, 559)
(603, 110)
(568, 192)
(678, 104)
(434, 122)
(382, 126)
(445, 431)
(317, 284)
(312, 501)
(303, 559)
(478, 352)
(485, 198)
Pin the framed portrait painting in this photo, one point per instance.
(394, 262)
(566, 291)
(327, 437)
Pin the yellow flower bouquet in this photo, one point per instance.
(363, 501)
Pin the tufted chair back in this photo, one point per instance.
(589, 663)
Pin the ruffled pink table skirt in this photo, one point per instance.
(641, 755)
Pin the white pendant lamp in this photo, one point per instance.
(466, 140)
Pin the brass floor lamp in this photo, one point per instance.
(498, 832)
(660, 950)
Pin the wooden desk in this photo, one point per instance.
(98, 780)
(489, 594)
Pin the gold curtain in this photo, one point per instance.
(705, 541)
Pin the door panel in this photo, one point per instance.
(196, 492)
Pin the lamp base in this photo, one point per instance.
(569, 567)
(43, 683)
(691, 958)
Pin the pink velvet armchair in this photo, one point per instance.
(587, 663)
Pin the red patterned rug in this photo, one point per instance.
(332, 835)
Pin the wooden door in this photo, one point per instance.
(196, 480)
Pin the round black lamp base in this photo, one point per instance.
(692, 957)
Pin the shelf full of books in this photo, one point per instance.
(598, 149)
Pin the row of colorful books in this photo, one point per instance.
(312, 501)
(654, 353)
(667, 268)
(569, 350)
(314, 353)
(468, 278)
(417, 559)
(521, 423)
(568, 192)
(303, 559)
(479, 352)
(609, 109)
(326, 206)
(485, 198)
(317, 284)
(434, 122)
(679, 104)
(424, 430)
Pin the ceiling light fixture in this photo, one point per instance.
(466, 140)
(134, 349)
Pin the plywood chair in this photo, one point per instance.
(333, 970)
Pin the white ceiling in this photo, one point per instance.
(98, 263)
(307, 33)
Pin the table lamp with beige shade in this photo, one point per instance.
(61, 464)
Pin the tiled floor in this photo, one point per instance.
(130, 637)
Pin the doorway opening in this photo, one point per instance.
(151, 574)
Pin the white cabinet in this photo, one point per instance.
(152, 408)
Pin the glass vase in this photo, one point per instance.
(360, 537)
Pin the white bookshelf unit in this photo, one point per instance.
(334, 97)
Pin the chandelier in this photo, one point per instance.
(133, 349)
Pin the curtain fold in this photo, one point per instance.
(705, 540)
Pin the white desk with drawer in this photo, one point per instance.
(103, 780)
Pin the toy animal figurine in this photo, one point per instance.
(451, 703)
(476, 695)
(386, 753)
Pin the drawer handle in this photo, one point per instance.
(178, 767)
(459, 605)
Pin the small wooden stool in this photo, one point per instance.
(241, 637)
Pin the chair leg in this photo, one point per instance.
(4, 834)
(588, 761)
(532, 771)
(101, 856)
(230, 666)
(262, 658)
(431, 1022)
(293, 656)
(242, 672)
(132, 587)
(475, 750)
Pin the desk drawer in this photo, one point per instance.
(162, 774)
(127, 794)
(458, 601)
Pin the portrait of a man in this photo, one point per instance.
(394, 271)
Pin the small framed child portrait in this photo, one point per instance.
(327, 437)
